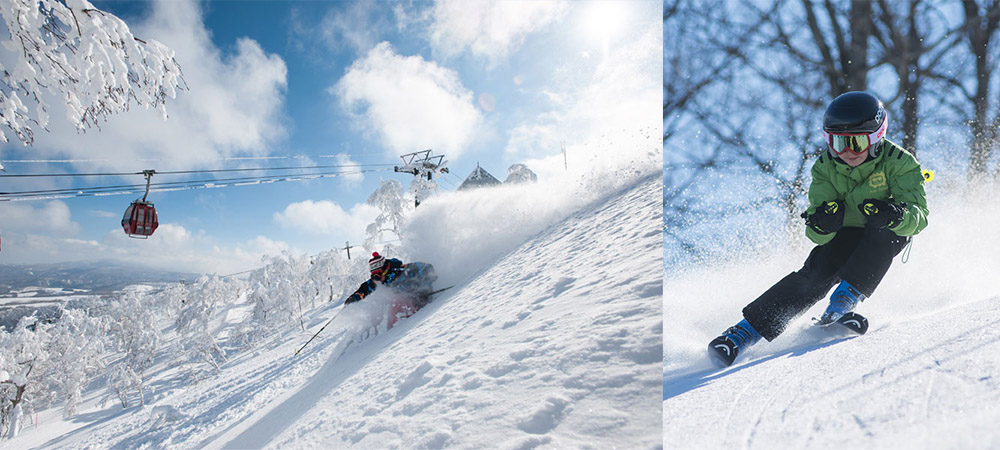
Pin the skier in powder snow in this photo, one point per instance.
(414, 278)
(383, 271)
(866, 200)
(412, 283)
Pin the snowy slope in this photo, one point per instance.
(930, 382)
(558, 344)
(924, 376)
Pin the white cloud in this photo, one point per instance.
(351, 179)
(51, 216)
(328, 218)
(233, 105)
(355, 27)
(607, 115)
(172, 247)
(409, 103)
(489, 29)
(265, 246)
(104, 214)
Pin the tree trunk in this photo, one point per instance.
(855, 59)
(979, 30)
(15, 413)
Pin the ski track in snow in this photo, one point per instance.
(926, 382)
(557, 344)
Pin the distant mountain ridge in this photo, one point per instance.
(93, 276)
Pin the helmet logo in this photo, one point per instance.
(879, 114)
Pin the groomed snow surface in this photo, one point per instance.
(556, 343)
(925, 375)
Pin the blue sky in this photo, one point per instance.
(323, 83)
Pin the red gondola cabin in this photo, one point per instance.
(140, 220)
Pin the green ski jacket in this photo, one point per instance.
(894, 176)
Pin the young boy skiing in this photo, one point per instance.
(865, 202)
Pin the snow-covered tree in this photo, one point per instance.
(87, 58)
(276, 296)
(45, 363)
(520, 173)
(196, 342)
(422, 188)
(331, 277)
(393, 208)
(135, 335)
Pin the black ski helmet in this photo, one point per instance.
(857, 112)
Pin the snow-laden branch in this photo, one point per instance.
(83, 56)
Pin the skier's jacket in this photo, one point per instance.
(414, 278)
(893, 176)
(395, 267)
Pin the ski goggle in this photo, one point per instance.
(857, 143)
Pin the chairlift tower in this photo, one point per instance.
(422, 165)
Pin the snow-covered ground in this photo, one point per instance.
(557, 343)
(926, 383)
(924, 376)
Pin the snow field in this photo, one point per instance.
(925, 383)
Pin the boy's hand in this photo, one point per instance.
(882, 214)
(828, 217)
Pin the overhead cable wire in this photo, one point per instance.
(206, 183)
(169, 186)
(229, 158)
(178, 172)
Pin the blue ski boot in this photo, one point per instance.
(843, 301)
(726, 347)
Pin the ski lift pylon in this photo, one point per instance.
(140, 219)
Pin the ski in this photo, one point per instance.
(424, 299)
(852, 321)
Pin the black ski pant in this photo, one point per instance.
(861, 256)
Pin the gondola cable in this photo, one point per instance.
(50, 194)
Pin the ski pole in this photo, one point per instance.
(318, 332)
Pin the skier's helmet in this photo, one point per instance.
(377, 264)
(855, 121)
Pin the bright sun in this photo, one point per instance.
(603, 20)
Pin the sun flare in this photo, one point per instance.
(602, 21)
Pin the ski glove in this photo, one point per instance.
(828, 217)
(882, 214)
(355, 297)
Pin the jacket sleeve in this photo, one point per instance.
(820, 190)
(907, 186)
(366, 288)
